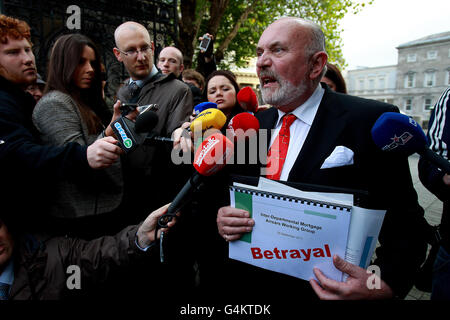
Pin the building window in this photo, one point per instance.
(428, 104)
(430, 79)
(371, 84)
(410, 80)
(411, 57)
(381, 83)
(447, 77)
(408, 104)
(361, 84)
(431, 55)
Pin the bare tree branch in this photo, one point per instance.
(217, 10)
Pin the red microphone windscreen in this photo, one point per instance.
(243, 125)
(247, 99)
(213, 154)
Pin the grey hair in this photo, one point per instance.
(316, 35)
(316, 39)
(317, 43)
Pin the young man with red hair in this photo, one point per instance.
(26, 164)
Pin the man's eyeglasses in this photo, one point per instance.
(133, 53)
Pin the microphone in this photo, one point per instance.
(199, 108)
(243, 125)
(145, 123)
(124, 129)
(209, 118)
(129, 133)
(399, 133)
(247, 99)
(211, 156)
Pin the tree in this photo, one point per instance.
(237, 24)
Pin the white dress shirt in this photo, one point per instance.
(299, 129)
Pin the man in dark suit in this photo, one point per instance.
(329, 143)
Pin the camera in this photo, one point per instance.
(126, 108)
(204, 44)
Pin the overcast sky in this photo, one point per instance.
(370, 38)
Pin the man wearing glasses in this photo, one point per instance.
(136, 50)
(150, 176)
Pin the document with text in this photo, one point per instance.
(292, 235)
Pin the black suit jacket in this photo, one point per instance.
(344, 120)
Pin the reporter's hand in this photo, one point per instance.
(116, 111)
(233, 223)
(201, 39)
(116, 114)
(146, 232)
(354, 288)
(208, 34)
(182, 139)
(446, 179)
(263, 107)
(103, 153)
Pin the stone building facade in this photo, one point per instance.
(421, 75)
(377, 83)
(423, 71)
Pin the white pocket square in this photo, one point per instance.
(341, 156)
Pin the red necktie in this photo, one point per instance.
(278, 150)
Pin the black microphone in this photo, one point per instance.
(124, 129)
(145, 123)
(399, 133)
(211, 156)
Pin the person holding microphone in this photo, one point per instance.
(73, 110)
(30, 169)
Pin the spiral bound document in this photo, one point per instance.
(291, 235)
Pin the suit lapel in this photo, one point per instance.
(267, 120)
(329, 122)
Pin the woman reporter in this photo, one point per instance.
(73, 110)
(221, 88)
